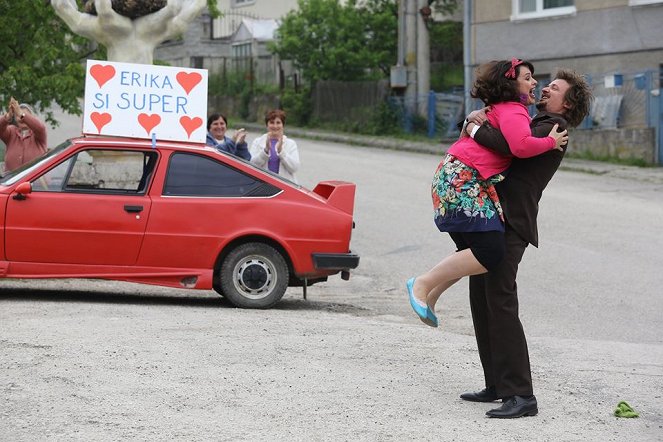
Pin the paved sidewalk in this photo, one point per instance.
(435, 146)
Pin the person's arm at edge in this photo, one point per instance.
(4, 125)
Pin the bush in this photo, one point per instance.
(229, 83)
(385, 120)
(298, 106)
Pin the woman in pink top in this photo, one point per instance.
(23, 134)
(465, 202)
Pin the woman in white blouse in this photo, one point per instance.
(274, 151)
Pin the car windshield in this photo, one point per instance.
(11, 177)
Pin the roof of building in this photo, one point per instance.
(255, 29)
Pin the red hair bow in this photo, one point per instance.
(511, 73)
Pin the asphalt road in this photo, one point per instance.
(597, 274)
(97, 360)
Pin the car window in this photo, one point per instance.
(197, 175)
(11, 177)
(53, 180)
(100, 171)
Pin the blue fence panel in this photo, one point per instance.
(442, 111)
(431, 114)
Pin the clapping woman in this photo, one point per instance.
(274, 151)
(217, 126)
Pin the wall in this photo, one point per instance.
(196, 42)
(598, 31)
(261, 8)
(347, 100)
(612, 31)
(637, 143)
(233, 108)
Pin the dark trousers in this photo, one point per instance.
(499, 333)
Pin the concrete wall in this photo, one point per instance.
(231, 107)
(637, 143)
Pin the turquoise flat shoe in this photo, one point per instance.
(432, 318)
(419, 309)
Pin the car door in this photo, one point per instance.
(92, 208)
(204, 200)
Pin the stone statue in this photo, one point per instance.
(129, 8)
(130, 30)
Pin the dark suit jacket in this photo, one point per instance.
(526, 178)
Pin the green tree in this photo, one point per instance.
(447, 7)
(446, 45)
(40, 59)
(355, 41)
(327, 40)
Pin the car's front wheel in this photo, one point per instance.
(254, 275)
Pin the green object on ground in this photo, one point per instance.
(625, 410)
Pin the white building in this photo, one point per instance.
(238, 40)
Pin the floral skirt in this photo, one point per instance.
(463, 201)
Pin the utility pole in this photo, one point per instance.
(467, 55)
(423, 56)
(411, 54)
(412, 70)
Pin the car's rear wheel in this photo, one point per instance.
(254, 275)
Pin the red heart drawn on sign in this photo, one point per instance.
(102, 73)
(100, 120)
(190, 124)
(149, 122)
(188, 80)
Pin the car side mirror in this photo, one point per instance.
(22, 190)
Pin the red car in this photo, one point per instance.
(172, 214)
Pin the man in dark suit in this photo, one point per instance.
(493, 296)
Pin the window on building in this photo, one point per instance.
(241, 53)
(197, 62)
(240, 3)
(525, 9)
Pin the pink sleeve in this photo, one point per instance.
(514, 125)
(4, 126)
(38, 128)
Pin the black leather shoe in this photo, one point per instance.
(515, 406)
(486, 395)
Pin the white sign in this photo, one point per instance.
(145, 101)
